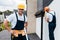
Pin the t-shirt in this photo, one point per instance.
(13, 20)
(50, 16)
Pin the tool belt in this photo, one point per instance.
(17, 32)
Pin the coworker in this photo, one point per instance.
(51, 19)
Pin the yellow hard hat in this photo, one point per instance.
(21, 6)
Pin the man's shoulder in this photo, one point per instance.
(52, 12)
(12, 15)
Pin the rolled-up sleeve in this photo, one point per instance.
(10, 18)
(49, 16)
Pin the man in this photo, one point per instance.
(51, 19)
(18, 22)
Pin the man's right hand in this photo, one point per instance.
(11, 31)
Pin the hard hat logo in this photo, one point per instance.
(21, 6)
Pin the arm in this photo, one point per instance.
(25, 25)
(47, 19)
(6, 24)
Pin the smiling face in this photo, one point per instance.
(20, 11)
(21, 8)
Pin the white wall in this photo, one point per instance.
(38, 26)
(55, 5)
(45, 28)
